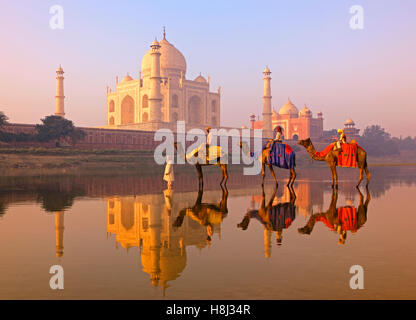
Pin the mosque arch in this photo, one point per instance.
(111, 107)
(145, 101)
(111, 121)
(127, 110)
(145, 117)
(175, 101)
(195, 110)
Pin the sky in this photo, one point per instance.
(316, 59)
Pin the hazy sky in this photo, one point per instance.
(314, 55)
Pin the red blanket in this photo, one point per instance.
(348, 155)
(325, 151)
(348, 217)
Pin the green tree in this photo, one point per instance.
(3, 119)
(378, 142)
(56, 128)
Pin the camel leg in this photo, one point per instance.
(332, 176)
(336, 177)
(361, 177)
(292, 177)
(263, 173)
(367, 173)
(224, 175)
(272, 171)
(200, 176)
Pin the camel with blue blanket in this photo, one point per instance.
(272, 154)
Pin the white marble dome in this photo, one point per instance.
(171, 59)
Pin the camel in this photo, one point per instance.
(332, 217)
(219, 161)
(332, 159)
(265, 161)
(265, 213)
(206, 214)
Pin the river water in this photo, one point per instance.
(128, 237)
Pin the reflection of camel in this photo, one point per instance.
(265, 161)
(340, 219)
(198, 162)
(273, 217)
(332, 159)
(206, 214)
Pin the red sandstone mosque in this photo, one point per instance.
(296, 124)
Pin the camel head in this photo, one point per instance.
(306, 143)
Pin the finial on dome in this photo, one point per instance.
(164, 32)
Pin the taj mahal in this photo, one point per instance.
(162, 94)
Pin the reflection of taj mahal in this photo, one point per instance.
(162, 94)
(145, 222)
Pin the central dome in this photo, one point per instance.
(288, 109)
(171, 59)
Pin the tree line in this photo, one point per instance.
(53, 128)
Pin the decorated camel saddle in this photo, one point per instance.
(347, 156)
(281, 155)
(214, 152)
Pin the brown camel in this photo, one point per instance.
(219, 161)
(265, 161)
(265, 216)
(332, 159)
(333, 219)
(206, 214)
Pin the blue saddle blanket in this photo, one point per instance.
(282, 156)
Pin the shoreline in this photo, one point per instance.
(40, 161)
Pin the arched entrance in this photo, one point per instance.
(295, 137)
(127, 110)
(111, 106)
(195, 110)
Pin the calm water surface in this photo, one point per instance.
(127, 237)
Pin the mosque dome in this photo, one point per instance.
(349, 122)
(288, 109)
(305, 112)
(200, 79)
(170, 58)
(127, 78)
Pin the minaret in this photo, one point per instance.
(60, 92)
(59, 231)
(267, 105)
(155, 98)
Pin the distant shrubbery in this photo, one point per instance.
(53, 128)
(377, 142)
